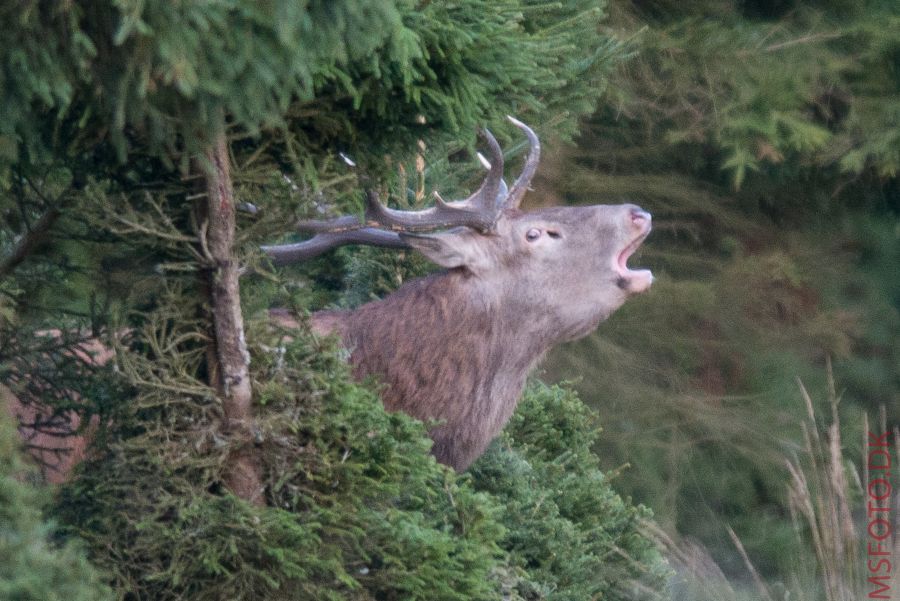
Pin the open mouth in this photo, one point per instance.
(622, 260)
(634, 280)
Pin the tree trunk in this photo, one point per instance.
(231, 374)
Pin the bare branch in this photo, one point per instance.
(29, 242)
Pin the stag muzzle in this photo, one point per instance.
(638, 225)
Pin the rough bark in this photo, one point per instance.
(231, 374)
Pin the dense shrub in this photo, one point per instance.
(573, 536)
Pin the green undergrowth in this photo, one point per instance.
(566, 527)
(356, 508)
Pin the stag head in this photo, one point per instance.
(566, 264)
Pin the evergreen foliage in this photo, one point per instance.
(157, 76)
(764, 137)
(356, 507)
(33, 565)
(813, 87)
(45, 59)
(87, 239)
(565, 527)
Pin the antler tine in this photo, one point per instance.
(486, 195)
(479, 211)
(502, 194)
(322, 242)
(344, 223)
(504, 189)
(514, 199)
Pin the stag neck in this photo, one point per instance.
(518, 333)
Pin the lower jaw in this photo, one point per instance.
(637, 281)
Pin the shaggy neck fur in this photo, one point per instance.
(446, 351)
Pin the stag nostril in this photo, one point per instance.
(639, 217)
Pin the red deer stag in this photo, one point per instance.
(456, 347)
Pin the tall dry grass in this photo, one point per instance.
(827, 503)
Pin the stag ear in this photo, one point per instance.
(454, 248)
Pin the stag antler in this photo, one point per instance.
(382, 225)
(514, 199)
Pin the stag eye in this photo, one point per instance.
(532, 234)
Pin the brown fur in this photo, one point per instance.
(440, 366)
(56, 451)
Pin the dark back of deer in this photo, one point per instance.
(456, 347)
